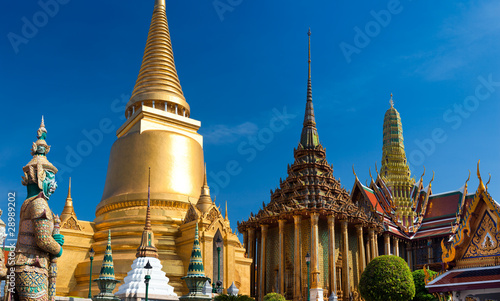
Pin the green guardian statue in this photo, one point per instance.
(37, 243)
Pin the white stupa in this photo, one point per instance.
(134, 288)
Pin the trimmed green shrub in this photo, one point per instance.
(421, 293)
(274, 297)
(387, 278)
(224, 297)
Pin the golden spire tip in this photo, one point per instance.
(42, 124)
(69, 189)
(391, 101)
(205, 176)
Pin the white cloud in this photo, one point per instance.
(222, 134)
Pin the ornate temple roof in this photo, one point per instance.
(310, 184)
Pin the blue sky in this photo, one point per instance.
(241, 62)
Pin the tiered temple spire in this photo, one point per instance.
(158, 84)
(395, 170)
(147, 247)
(309, 137)
(196, 262)
(107, 268)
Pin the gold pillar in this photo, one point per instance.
(376, 244)
(281, 223)
(331, 254)
(387, 244)
(297, 258)
(395, 245)
(345, 261)
(251, 254)
(262, 268)
(373, 245)
(314, 250)
(361, 248)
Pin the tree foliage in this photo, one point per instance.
(387, 278)
(421, 293)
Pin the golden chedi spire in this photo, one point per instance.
(147, 247)
(158, 81)
(68, 209)
(395, 170)
(157, 132)
(204, 202)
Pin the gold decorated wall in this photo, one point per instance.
(76, 249)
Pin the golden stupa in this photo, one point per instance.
(157, 133)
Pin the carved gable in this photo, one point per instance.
(191, 215)
(71, 223)
(486, 240)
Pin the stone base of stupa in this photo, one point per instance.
(134, 287)
(316, 294)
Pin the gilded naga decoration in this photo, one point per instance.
(38, 243)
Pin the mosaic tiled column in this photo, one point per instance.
(367, 249)
(409, 255)
(387, 244)
(297, 256)
(331, 254)
(258, 263)
(429, 251)
(395, 244)
(314, 250)
(281, 224)
(262, 267)
(345, 260)
(371, 234)
(376, 244)
(251, 254)
(361, 248)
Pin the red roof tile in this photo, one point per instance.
(471, 278)
(443, 205)
(373, 200)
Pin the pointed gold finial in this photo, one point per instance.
(354, 172)
(69, 189)
(370, 173)
(42, 124)
(422, 176)
(391, 101)
(205, 176)
(481, 187)
(68, 209)
(204, 202)
(489, 180)
(225, 217)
